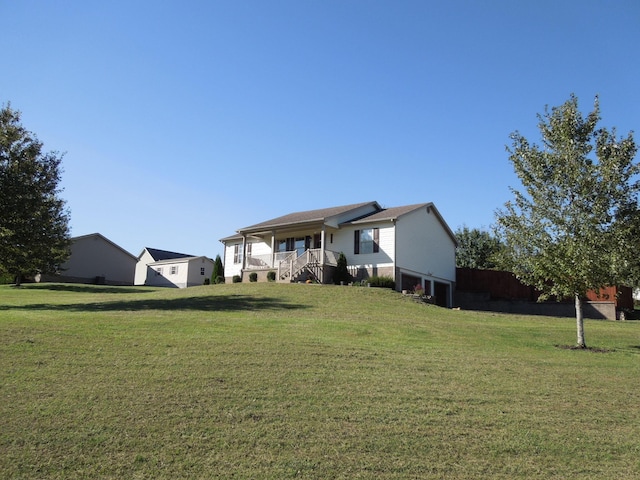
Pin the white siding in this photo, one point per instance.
(186, 271)
(260, 248)
(174, 274)
(230, 268)
(424, 246)
(343, 241)
(180, 272)
(195, 276)
(142, 269)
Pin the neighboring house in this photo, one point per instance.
(96, 259)
(161, 268)
(411, 244)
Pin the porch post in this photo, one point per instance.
(322, 249)
(273, 248)
(244, 251)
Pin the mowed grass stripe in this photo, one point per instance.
(305, 381)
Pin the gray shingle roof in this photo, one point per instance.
(389, 213)
(321, 215)
(305, 216)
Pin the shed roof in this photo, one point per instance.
(158, 254)
(185, 259)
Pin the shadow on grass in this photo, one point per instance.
(200, 303)
(585, 349)
(81, 288)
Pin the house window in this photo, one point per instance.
(158, 271)
(174, 270)
(289, 244)
(237, 253)
(366, 241)
(301, 244)
(201, 270)
(249, 249)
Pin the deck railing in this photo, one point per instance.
(314, 255)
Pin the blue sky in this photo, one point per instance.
(183, 121)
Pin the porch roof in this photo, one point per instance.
(304, 218)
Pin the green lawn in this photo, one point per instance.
(306, 381)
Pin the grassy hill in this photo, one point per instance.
(306, 381)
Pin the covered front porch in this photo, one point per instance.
(293, 253)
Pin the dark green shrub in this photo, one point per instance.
(207, 281)
(218, 270)
(220, 279)
(237, 279)
(381, 281)
(271, 276)
(253, 277)
(341, 274)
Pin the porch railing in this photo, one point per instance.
(285, 266)
(258, 262)
(311, 260)
(290, 264)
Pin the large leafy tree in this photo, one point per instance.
(571, 228)
(34, 231)
(476, 248)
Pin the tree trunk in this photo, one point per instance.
(580, 323)
(18, 280)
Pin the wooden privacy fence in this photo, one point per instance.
(501, 285)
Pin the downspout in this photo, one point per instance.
(395, 256)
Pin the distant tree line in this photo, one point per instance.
(477, 249)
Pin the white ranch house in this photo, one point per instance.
(161, 268)
(412, 244)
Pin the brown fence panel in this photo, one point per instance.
(621, 296)
(499, 284)
(503, 285)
